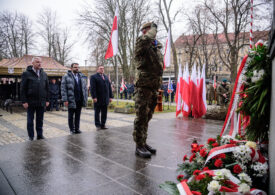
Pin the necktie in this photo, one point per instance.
(102, 77)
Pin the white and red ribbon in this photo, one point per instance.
(235, 95)
(184, 189)
(220, 150)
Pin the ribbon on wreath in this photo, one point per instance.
(219, 150)
(234, 100)
(184, 189)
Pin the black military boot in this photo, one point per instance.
(142, 152)
(150, 149)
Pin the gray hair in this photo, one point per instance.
(36, 58)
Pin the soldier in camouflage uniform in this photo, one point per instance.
(149, 64)
(210, 92)
(223, 93)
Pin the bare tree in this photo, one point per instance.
(62, 46)
(16, 35)
(57, 39)
(98, 24)
(48, 29)
(27, 34)
(164, 8)
(230, 19)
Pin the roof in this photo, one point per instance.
(26, 60)
(209, 39)
(18, 65)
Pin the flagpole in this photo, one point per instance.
(116, 80)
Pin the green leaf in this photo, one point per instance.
(263, 95)
(170, 187)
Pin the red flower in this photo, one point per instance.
(196, 193)
(222, 155)
(237, 169)
(200, 177)
(203, 152)
(232, 142)
(218, 163)
(205, 169)
(211, 140)
(201, 146)
(196, 172)
(191, 157)
(261, 158)
(215, 144)
(226, 189)
(180, 177)
(185, 157)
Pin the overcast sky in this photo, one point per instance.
(66, 13)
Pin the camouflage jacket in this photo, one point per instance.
(148, 61)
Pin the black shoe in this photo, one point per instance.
(40, 137)
(150, 149)
(104, 127)
(72, 132)
(31, 138)
(77, 131)
(142, 152)
(98, 128)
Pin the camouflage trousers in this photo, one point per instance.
(145, 103)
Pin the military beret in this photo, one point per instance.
(224, 80)
(148, 24)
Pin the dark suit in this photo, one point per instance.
(100, 89)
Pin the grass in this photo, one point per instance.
(121, 104)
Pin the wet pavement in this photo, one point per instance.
(95, 162)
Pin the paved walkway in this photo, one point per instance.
(94, 162)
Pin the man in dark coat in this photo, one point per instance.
(54, 95)
(74, 95)
(130, 88)
(102, 94)
(173, 91)
(34, 91)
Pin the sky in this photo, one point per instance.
(66, 13)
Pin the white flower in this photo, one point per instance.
(257, 75)
(251, 144)
(244, 177)
(259, 168)
(213, 186)
(242, 154)
(226, 139)
(243, 188)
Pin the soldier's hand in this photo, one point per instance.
(25, 105)
(47, 104)
(110, 100)
(95, 100)
(66, 104)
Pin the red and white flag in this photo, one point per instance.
(202, 105)
(113, 43)
(215, 82)
(194, 92)
(122, 86)
(178, 94)
(185, 92)
(167, 53)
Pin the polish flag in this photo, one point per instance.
(202, 105)
(167, 53)
(113, 43)
(215, 82)
(122, 86)
(178, 94)
(185, 92)
(194, 92)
